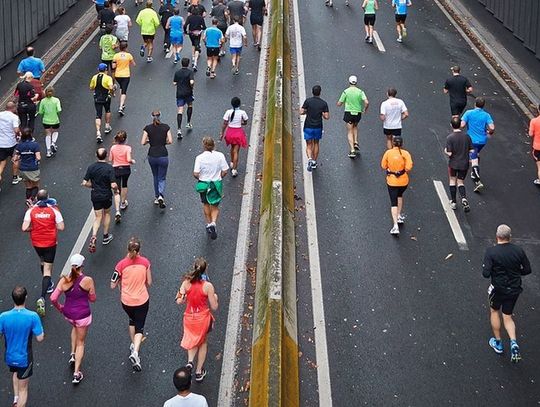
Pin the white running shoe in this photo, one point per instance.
(394, 230)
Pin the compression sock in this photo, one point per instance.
(54, 137)
(48, 142)
(45, 282)
(453, 191)
(189, 113)
(179, 120)
(476, 173)
(462, 192)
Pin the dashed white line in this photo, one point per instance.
(450, 215)
(378, 41)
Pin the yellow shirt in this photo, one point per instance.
(122, 61)
(396, 160)
(106, 82)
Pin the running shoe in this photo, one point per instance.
(49, 154)
(77, 377)
(156, 202)
(124, 205)
(367, 38)
(107, 239)
(135, 361)
(466, 206)
(189, 125)
(175, 60)
(40, 307)
(453, 205)
(236, 71)
(347, 3)
(108, 129)
(309, 165)
(149, 59)
(189, 365)
(194, 66)
(99, 139)
(16, 179)
(314, 164)
(514, 352)
(165, 48)
(199, 377)
(212, 75)
(92, 245)
(478, 186)
(212, 231)
(161, 202)
(536, 181)
(328, 3)
(496, 345)
(234, 172)
(258, 47)
(352, 154)
(54, 148)
(50, 288)
(404, 32)
(118, 217)
(121, 111)
(141, 52)
(401, 219)
(179, 134)
(208, 71)
(394, 230)
(71, 360)
(370, 40)
(399, 39)
(356, 147)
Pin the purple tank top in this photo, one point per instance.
(76, 305)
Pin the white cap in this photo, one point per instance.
(76, 260)
(353, 80)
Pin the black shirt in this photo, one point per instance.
(236, 8)
(101, 175)
(457, 88)
(166, 11)
(505, 264)
(314, 107)
(459, 144)
(25, 92)
(106, 17)
(194, 22)
(197, 9)
(157, 136)
(218, 12)
(257, 7)
(182, 78)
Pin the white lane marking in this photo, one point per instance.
(238, 284)
(450, 215)
(378, 41)
(319, 324)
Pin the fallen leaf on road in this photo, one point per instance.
(448, 256)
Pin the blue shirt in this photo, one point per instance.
(213, 37)
(401, 6)
(100, 2)
(177, 25)
(18, 326)
(477, 121)
(27, 151)
(32, 64)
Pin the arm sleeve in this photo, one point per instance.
(525, 264)
(54, 299)
(487, 265)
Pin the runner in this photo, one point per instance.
(158, 135)
(200, 297)
(108, 43)
(27, 152)
(122, 61)
(26, 101)
(175, 26)
(194, 26)
(233, 133)
(534, 133)
(356, 103)
(18, 326)
(182, 382)
(148, 20)
(370, 8)
(184, 80)
(213, 38)
(397, 163)
(122, 22)
(315, 109)
(43, 221)
(49, 108)
(121, 160)
(106, 17)
(165, 12)
(79, 291)
(196, 8)
(9, 132)
(210, 167)
(458, 148)
(99, 5)
(219, 12)
(392, 112)
(133, 275)
(237, 11)
(100, 178)
(457, 87)
(401, 15)
(102, 85)
(257, 10)
(480, 127)
(31, 64)
(504, 264)
(237, 36)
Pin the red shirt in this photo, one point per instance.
(132, 274)
(43, 221)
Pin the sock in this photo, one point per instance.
(45, 282)
(462, 192)
(189, 113)
(15, 399)
(41, 268)
(48, 142)
(54, 137)
(28, 193)
(476, 173)
(179, 120)
(105, 235)
(453, 191)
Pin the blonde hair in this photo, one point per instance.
(208, 143)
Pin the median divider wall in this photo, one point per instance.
(274, 360)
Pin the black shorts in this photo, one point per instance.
(369, 19)
(137, 315)
(46, 254)
(223, 29)
(457, 108)
(459, 174)
(100, 106)
(195, 41)
(22, 372)
(256, 19)
(400, 18)
(123, 83)
(212, 52)
(122, 174)
(395, 193)
(147, 37)
(507, 303)
(350, 118)
(392, 132)
(535, 153)
(51, 126)
(101, 204)
(108, 63)
(7, 152)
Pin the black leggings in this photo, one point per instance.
(137, 315)
(27, 114)
(395, 193)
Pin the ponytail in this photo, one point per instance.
(197, 270)
(133, 248)
(235, 103)
(156, 117)
(74, 273)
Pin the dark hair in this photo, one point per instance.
(456, 69)
(182, 379)
(397, 141)
(19, 294)
(176, 11)
(316, 90)
(101, 153)
(197, 270)
(392, 92)
(42, 195)
(215, 21)
(30, 51)
(185, 62)
(235, 103)
(108, 30)
(26, 134)
(123, 45)
(106, 4)
(120, 137)
(133, 247)
(455, 122)
(480, 102)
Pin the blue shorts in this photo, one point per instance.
(184, 101)
(177, 39)
(236, 50)
(477, 148)
(312, 134)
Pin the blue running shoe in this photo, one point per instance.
(496, 345)
(514, 352)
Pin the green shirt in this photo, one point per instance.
(49, 108)
(354, 99)
(106, 43)
(370, 7)
(148, 20)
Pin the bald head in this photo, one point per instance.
(30, 51)
(42, 195)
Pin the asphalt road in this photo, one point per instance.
(171, 238)
(405, 326)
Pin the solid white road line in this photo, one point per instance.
(378, 41)
(238, 284)
(319, 324)
(450, 215)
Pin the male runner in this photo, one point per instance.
(315, 109)
(43, 221)
(166, 11)
(356, 103)
(534, 133)
(393, 111)
(458, 148)
(196, 8)
(31, 64)
(219, 12)
(148, 20)
(194, 26)
(184, 82)
(237, 11)
(480, 127)
(121, 63)
(213, 38)
(108, 43)
(102, 85)
(457, 87)
(9, 132)
(237, 36)
(401, 15)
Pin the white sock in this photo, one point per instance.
(15, 399)
(48, 142)
(54, 137)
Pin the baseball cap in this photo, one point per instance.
(102, 67)
(76, 260)
(353, 80)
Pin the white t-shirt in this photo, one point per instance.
(235, 33)
(209, 165)
(392, 108)
(122, 24)
(191, 400)
(239, 116)
(9, 121)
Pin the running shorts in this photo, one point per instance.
(392, 132)
(123, 83)
(235, 50)
(369, 19)
(395, 193)
(351, 118)
(312, 133)
(7, 152)
(102, 204)
(212, 51)
(46, 254)
(459, 174)
(22, 372)
(187, 100)
(195, 41)
(147, 37)
(122, 174)
(102, 106)
(400, 18)
(457, 108)
(536, 155)
(33, 176)
(177, 39)
(80, 323)
(137, 315)
(108, 63)
(477, 148)
(498, 301)
(51, 126)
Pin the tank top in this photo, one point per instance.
(370, 7)
(197, 300)
(76, 305)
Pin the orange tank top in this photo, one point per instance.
(197, 300)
